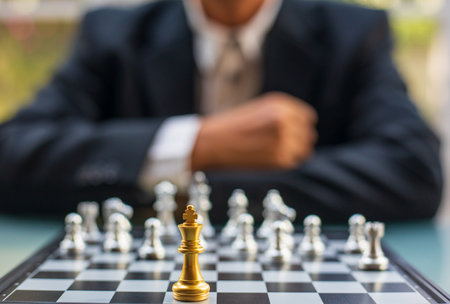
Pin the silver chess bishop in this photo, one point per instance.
(165, 206)
(73, 243)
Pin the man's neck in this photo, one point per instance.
(231, 12)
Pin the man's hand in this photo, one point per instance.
(274, 131)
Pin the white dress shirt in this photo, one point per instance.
(168, 156)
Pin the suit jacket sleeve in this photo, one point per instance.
(67, 145)
(388, 168)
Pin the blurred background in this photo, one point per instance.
(35, 36)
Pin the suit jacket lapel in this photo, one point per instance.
(169, 65)
(291, 56)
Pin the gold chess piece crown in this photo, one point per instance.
(190, 286)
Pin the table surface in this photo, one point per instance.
(424, 244)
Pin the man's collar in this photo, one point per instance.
(210, 36)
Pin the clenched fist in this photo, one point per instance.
(274, 131)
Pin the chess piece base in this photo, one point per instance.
(367, 263)
(190, 292)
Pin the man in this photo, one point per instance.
(301, 96)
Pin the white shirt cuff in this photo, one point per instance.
(168, 157)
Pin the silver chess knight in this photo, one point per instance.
(118, 237)
(373, 258)
(274, 209)
(89, 212)
(73, 243)
(311, 244)
(152, 248)
(356, 242)
(165, 206)
(199, 192)
(245, 242)
(279, 243)
(237, 205)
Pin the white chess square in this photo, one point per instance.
(151, 266)
(102, 275)
(398, 297)
(86, 296)
(114, 257)
(212, 299)
(350, 259)
(242, 286)
(45, 284)
(294, 297)
(140, 285)
(286, 276)
(325, 267)
(378, 277)
(239, 267)
(64, 265)
(339, 287)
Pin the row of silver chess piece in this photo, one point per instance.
(277, 227)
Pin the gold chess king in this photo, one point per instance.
(190, 286)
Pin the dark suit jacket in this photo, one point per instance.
(87, 133)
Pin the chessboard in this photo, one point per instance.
(110, 277)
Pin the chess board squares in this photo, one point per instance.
(152, 266)
(289, 287)
(237, 276)
(86, 296)
(286, 276)
(102, 275)
(94, 285)
(339, 277)
(239, 267)
(282, 267)
(143, 285)
(56, 275)
(138, 297)
(378, 277)
(325, 267)
(64, 265)
(108, 266)
(339, 287)
(293, 297)
(228, 298)
(400, 297)
(114, 258)
(350, 298)
(212, 299)
(202, 266)
(241, 287)
(387, 287)
(34, 296)
(147, 276)
(45, 284)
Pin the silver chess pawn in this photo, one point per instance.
(118, 237)
(311, 244)
(237, 205)
(271, 204)
(373, 258)
(199, 192)
(165, 206)
(89, 213)
(279, 250)
(73, 243)
(356, 242)
(245, 242)
(115, 205)
(152, 248)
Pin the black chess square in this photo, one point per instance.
(212, 286)
(350, 298)
(240, 276)
(147, 276)
(34, 296)
(138, 297)
(282, 266)
(239, 298)
(108, 266)
(94, 285)
(387, 287)
(289, 287)
(331, 277)
(56, 275)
